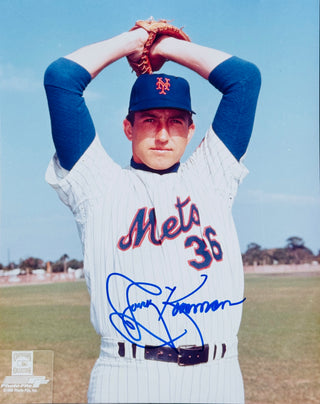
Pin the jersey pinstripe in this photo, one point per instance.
(161, 255)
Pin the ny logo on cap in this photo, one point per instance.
(163, 86)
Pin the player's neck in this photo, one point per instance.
(141, 166)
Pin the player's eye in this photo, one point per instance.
(177, 121)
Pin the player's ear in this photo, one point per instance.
(127, 128)
(191, 129)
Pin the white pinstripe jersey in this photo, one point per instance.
(161, 255)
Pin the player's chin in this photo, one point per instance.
(161, 159)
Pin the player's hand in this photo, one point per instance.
(157, 59)
(140, 36)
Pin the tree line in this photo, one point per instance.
(294, 252)
(31, 263)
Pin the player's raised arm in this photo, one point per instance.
(95, 57)
(65, 81)
(196, 57)
(238, 80)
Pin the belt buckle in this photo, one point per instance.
(192, 355)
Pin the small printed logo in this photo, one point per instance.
(23, 379)
(163, 86)
(22, 363)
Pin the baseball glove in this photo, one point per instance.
(154, 29)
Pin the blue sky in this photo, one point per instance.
(280, 196)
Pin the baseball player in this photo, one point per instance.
(161, 255)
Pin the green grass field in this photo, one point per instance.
(279, 341)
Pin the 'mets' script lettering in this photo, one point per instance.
(206, 249)
(144, 223)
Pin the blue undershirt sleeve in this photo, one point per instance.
(240, 82)
(71, 124)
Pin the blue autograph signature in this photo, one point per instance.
(126, 323)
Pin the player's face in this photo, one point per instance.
(159, 137)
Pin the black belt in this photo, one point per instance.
(184, 355)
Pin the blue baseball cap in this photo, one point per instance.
(152, 91)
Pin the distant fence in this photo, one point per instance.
(277, 269)
(13, 280)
